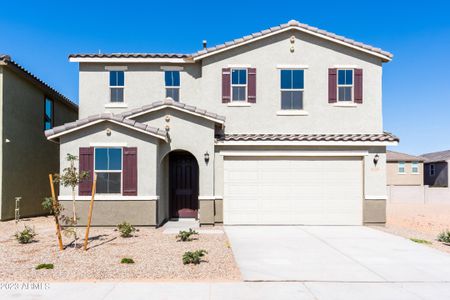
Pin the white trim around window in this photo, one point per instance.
(172, 68)
(401, 167)
(110, 171)
(239, 85)
(415, 167)
(345, 86)
(116, 68)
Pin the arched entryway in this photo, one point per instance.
(183, 185)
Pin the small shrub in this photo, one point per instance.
(45, 266)
(193, 257)
(25, 236)
(126, 260)
(419, 241)
(444, 236)
(126, 229)
(185, 236)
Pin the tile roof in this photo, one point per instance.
(257, 137)
(294, 24)
(399, 156)
(104, 117)
(437, 156)
(8, 61)
(168, 102)
(128, 55)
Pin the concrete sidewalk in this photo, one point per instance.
(234, 290)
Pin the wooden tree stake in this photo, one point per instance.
(91, 207)
(54, 203)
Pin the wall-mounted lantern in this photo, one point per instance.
(206, 157)
(376, 158)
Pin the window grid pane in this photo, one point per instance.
(239, 76)
(172, 78)
(116, 78)
(173, 93)
(116, 94)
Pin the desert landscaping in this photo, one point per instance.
(157, 256)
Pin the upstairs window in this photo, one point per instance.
(239, 85)
(172, 79)
(345, 85)
(48, 114)
(292, 87)
(432, 170)
(108, 167)
(116, 85)
(401, 167)
(415, 167)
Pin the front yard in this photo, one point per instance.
(156, 256)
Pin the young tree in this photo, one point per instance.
(71, 177)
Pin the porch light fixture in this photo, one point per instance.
(206, 157)
(376, 159)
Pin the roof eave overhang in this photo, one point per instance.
(57, 135)
(130, 60)
(306, 143)
(215, 120)
(385, 58)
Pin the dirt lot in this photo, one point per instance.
(420, 221)
(157, 256)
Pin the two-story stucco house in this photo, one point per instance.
(282, 126)
(28, 107)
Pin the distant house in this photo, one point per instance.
(436, 168)
(28, 107)
(404, 169)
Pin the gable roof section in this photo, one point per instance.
(385, 138)
(58, 131)
(399, 156)
(437, 156)
(168, 102)
(7, 61)
(293, 24)
(187, 58)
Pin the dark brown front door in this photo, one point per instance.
(183, 185)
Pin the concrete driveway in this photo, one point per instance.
(333, 254)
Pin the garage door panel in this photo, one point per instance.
(293, 191)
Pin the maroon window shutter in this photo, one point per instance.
(86, 160)
(251, 85)
(226, 85)
(130, 171)
(358, 86)
(332, 85)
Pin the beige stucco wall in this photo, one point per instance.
(374, 212)
(114, 212)
(407, 178)
(96, 135)
(28, 157)
(201, 86)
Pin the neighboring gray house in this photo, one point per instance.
(28, 106)
(283, 126)
(436, 168)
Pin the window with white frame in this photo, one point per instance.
(432, 170)
(116, 85)
(292, 87)
(108, 167)
(415, 167)
(401, 167)
(345, 85)
(172, 81)
(239, 85)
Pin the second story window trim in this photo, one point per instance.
(116, 86)
(239, 85)
(345, 85)
(292, 89)
(172, 84)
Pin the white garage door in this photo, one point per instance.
(322, 191)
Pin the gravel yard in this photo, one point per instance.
(419, 221)
(157, 256)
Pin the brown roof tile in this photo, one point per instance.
(399, 156)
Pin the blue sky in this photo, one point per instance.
(416, 84)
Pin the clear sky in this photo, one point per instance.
(416, 85)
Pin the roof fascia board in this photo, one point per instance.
(177, 108)
(384, 57)
(303, 143)
(129, 60)
(104, 120)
